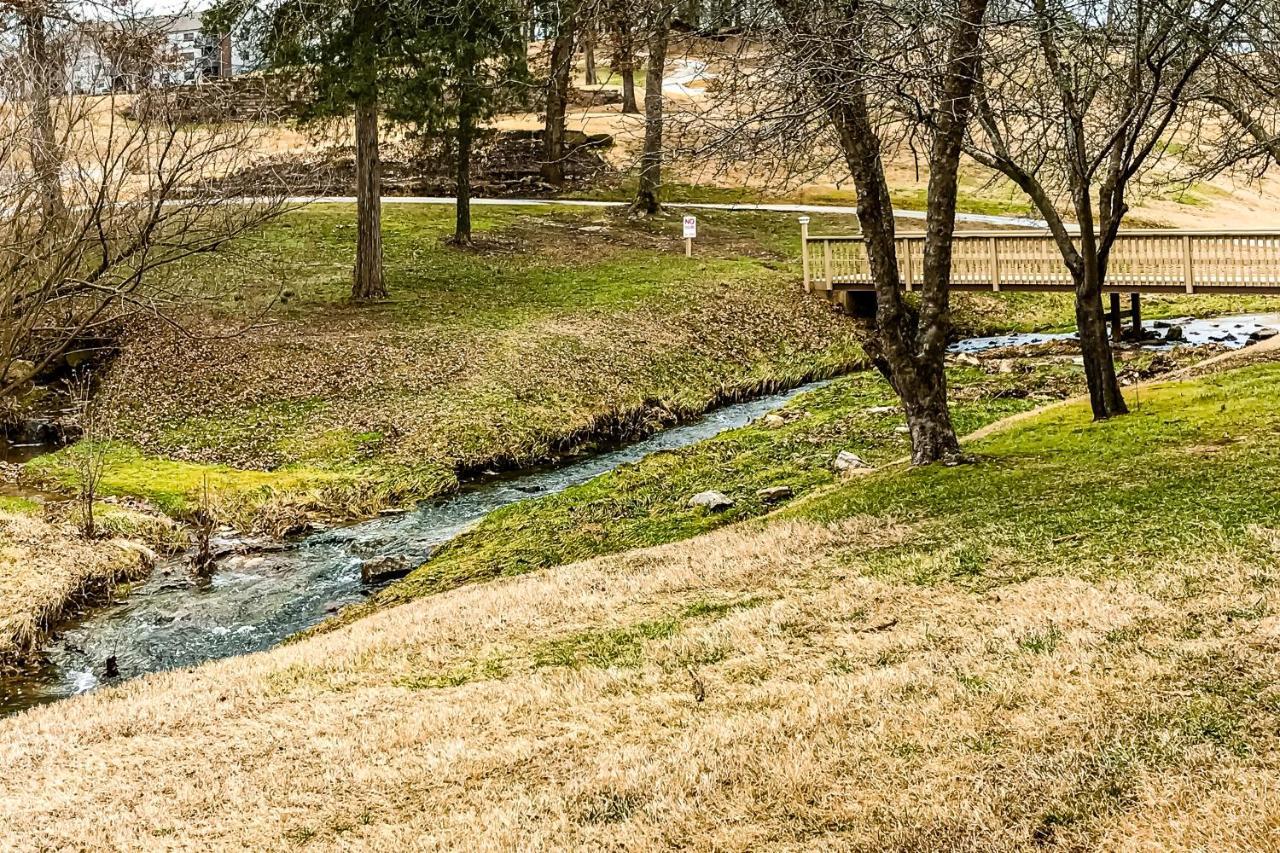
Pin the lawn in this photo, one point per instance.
(561, 328)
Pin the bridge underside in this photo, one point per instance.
(1112, 287)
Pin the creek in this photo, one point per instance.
(257, 598)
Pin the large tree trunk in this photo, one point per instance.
(648, 200)
(1105, 397)
(45, 153)
(908, 345)
(466, 135)
(923, 391)
(562, 49)
(367, 280)
(1091, 320)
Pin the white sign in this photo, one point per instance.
(690, 227)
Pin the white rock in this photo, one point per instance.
(848, 461)
(711, 500)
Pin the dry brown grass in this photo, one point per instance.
(46, 569)
(840, 711)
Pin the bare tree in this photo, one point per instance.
(590, 75)
(658, 26)
(565, 24)
(1081, 99)
(89, 455)
(38, 77)
(1245, 79)
(620, 16)
(143, 196)
(872, 68)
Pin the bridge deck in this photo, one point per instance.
(1141, 262)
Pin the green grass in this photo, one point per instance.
(1187, 473)
(562, 326)
(645, 503)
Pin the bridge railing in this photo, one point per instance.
(1240, 261)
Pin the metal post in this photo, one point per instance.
(804, 251)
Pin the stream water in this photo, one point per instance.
(255, 599)
(1230, 332)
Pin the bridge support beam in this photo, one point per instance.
(1135, 305)
(1117, 326)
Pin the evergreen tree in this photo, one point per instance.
(459, 64)
(334, 56)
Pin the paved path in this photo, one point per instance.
(974, 218)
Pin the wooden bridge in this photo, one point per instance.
(1141, 262)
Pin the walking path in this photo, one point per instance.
(781, 207)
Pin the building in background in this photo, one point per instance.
(129, 55)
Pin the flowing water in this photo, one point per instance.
(256, 599)
(1230, 332)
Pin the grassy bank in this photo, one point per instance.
(561, 327)
(646, 503)
(47, 571)
(1069, 644)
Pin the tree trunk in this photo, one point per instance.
(553, 146)
(45, 153)
(648, 201)
(908, 347)
(589, 56)
(1099, 366)
(629, 105)
(626, 62)
(466, 135)
(367, 280)
(923, 392)
(1091, 319)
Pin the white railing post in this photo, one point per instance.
(995, 264)
(1188, 264)
(826, 263)
(906, 247)
(804, 251)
